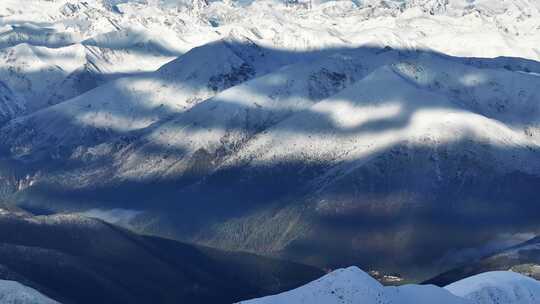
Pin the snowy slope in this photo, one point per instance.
(352, 285)
(330, 128)
(352, 119)
(430, 130)
(53, 51)
(221, 125)
(104, 39)
(497, 287)
(133, 103)
(37, 72)
(15, 293)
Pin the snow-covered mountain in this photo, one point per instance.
(51, 51)
(352, 285)
(134, 103)
(55, 50)
(334, 134)
(497, 287)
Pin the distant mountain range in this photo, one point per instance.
(332, 136)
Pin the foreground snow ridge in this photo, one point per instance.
(498, 287)
(12, 292)
(354, 286)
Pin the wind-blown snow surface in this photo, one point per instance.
(334, 135)
(353, 286)
(15, 293)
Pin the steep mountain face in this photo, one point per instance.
(335, 135)
(352, 286)
(351, 157)
(523, 258)
(75, 259)
(130, 104)
(391, 158)
(9, 106)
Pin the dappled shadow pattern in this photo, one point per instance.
(327, 212)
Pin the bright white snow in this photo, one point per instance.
(498, 287)
(353, 286)
(15, 293)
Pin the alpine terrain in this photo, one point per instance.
(234, 149)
